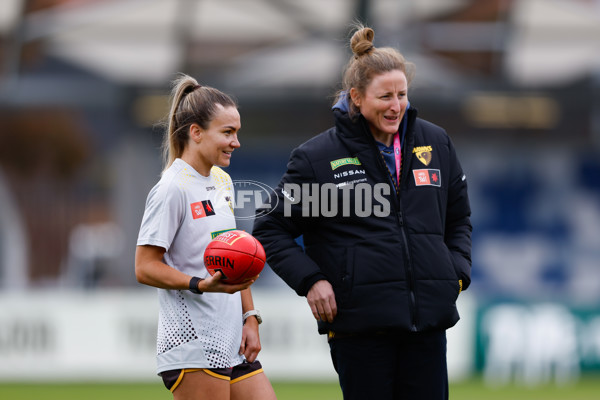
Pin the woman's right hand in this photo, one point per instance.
(321, 299)
(214, 284)
(150, 269)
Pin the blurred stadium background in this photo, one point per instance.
(83, 84)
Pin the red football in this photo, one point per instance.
(237, 254)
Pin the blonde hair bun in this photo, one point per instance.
(362, 41)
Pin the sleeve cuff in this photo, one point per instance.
(309, 281)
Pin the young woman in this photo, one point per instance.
(208, 338)
(382, 274)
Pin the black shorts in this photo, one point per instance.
(173, 377)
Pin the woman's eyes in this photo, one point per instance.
(388, 96)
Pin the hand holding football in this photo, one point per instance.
(236, 254)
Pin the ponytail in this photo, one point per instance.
(191, 103)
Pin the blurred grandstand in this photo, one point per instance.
(516, 83)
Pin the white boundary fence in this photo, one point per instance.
(51, 335)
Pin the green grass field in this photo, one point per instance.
(587, 389)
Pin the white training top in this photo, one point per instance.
(184, 211)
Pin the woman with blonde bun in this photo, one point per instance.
(380, 200)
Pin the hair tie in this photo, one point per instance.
(367, 51)
(191, 89)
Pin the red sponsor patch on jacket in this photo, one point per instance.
(427, 177)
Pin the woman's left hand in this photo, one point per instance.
(250, 340)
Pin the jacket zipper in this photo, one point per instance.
(400, 220)
(409, 273)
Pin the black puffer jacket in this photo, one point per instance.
(396, 259)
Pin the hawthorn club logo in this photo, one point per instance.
(423, 153)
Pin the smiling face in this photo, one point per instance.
(383, 104)
(214, 145)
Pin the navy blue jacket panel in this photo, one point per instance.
(397, 256)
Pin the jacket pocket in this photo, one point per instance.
(437, 304)
(432, 259)
(337, 263)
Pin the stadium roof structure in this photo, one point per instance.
(267, 46)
